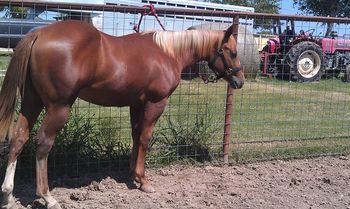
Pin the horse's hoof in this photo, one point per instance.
(147, 189)
(55, 206)
(137, 179)
(11, 204)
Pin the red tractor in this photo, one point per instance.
(304, 57)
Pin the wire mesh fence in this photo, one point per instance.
(294, 103)
(299, 105)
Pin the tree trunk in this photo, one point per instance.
(329, 28)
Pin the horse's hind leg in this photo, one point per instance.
(54, 120)
(135, 116)
(30, 109)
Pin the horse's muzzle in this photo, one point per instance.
(236, 83)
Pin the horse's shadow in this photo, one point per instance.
(25, 189)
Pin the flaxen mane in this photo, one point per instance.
(175, 43)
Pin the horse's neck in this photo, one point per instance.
(190, 56)
(188, 47)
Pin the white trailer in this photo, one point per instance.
(123, 23)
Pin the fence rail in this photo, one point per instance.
(273, 116)
(164, 11)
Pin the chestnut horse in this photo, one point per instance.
(56, 64)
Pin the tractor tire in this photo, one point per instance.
(305, 62)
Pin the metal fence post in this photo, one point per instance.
(229, 105)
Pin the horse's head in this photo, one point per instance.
(224, 61)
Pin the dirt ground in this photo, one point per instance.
(322, 182)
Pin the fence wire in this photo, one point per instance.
(286, 108)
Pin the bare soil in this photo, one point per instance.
(322, 182)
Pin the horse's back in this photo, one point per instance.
(63, 58)
(69, 26)
(72, 58)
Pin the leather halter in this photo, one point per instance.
(228, 71)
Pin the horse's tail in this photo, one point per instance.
(15, 78)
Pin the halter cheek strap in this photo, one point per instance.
(228, 71)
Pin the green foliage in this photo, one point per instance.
(15, 12)
(19, 12)
(80, 145)
(288, 150)
(272, 119)
(260, 6)
(333, 8)
(176, 140)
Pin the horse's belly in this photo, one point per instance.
(115, 92)
(108, 97)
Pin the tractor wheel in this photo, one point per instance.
(305, 62)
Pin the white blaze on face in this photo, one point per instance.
(7, 186)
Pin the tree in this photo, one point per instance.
(15, 12)
(333, 8)
(260, 6)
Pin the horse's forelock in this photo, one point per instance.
(176, 43)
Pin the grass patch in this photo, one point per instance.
(271, 119)
(81, 146)
(292, 149)
(174, 141)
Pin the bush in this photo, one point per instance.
(80, 146)
(176, 141)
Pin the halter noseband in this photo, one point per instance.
(228, 71)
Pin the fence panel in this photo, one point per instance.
(277, 114)
(299, 105)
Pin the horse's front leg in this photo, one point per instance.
(150, 114)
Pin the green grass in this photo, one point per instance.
(264, 112)
(271, 119)
(291, 115)
(290, 149)
(281, 111)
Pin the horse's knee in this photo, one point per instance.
(20, 134)
(144, 140)
(44, 145)
(17, 143)
(44, 148)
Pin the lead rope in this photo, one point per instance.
(151, 12)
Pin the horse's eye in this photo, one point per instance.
(233, 55)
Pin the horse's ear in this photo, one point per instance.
(228, 32)
(233, 29)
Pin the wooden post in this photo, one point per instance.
(229, 105)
